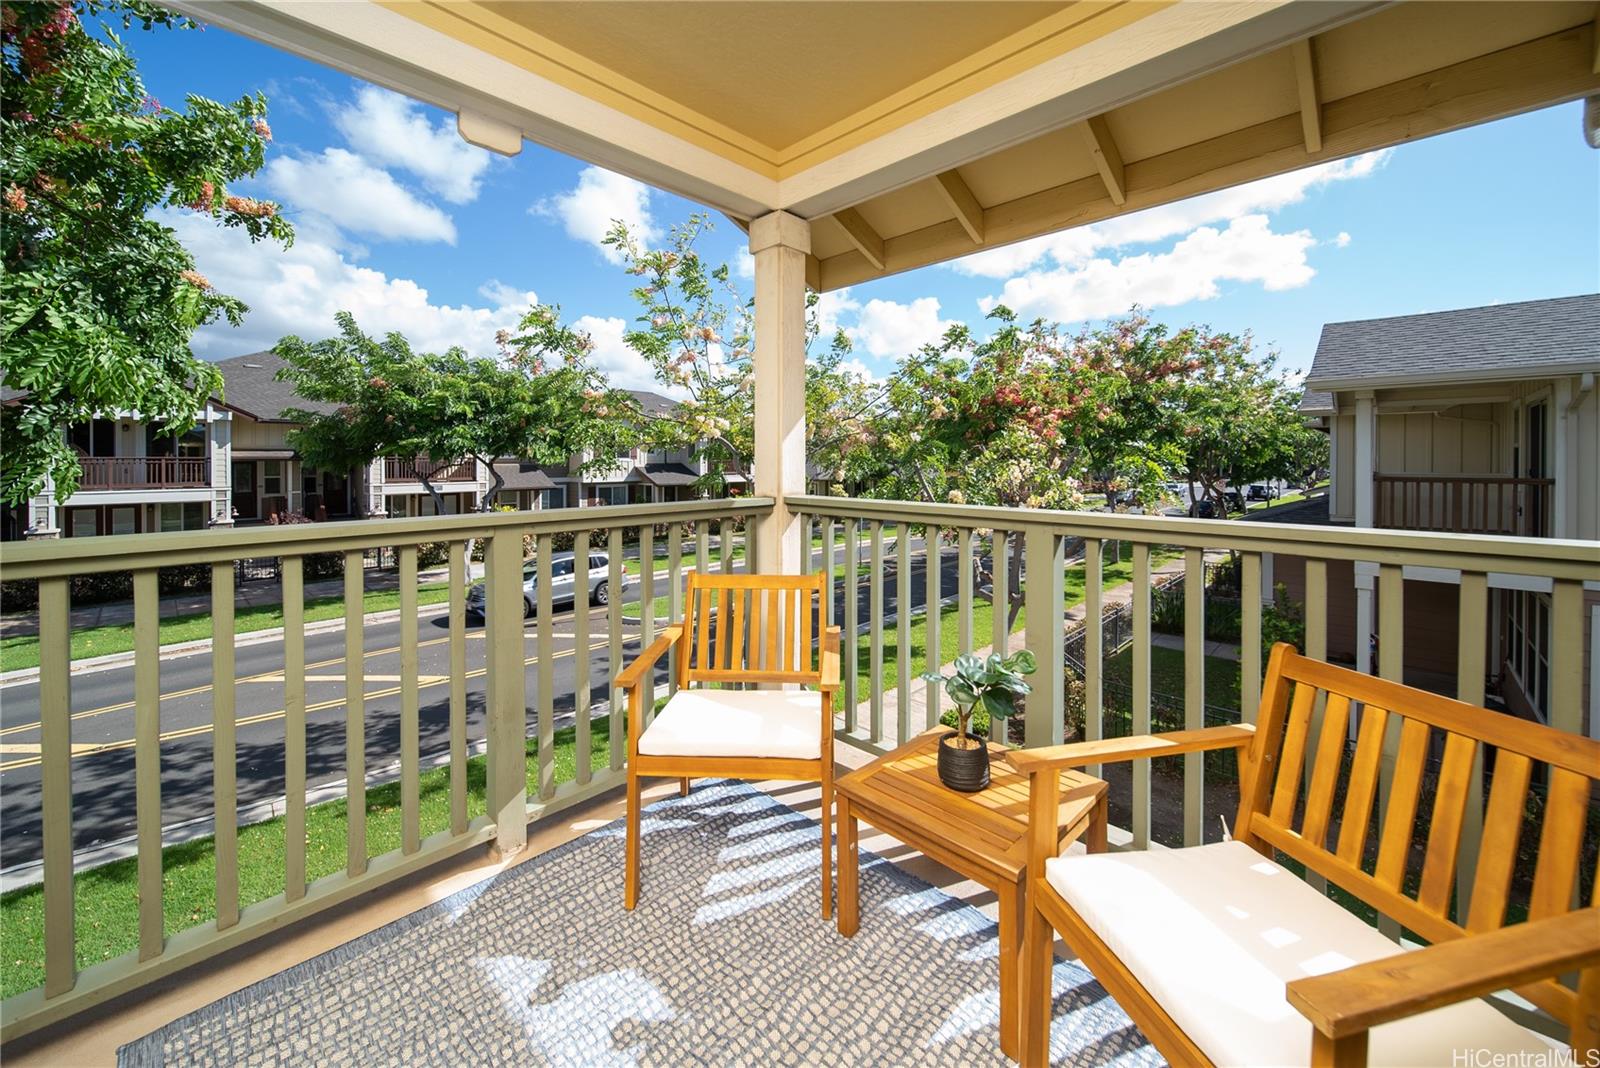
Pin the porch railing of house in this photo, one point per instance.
(1464, 504)
(401, 469)
(865, 547)
(142, 472)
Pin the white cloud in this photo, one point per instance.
(502, 295)
(830, 306)
(600, 198)
(356, 197)
(388, 128)
(1076, 246)
(1342, 241)
(1247, 251)
(889, 329)
(612, 356)
(298, 290)
(744, 264)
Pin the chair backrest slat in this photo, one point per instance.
(1497, 850)
(1410, 884)
(1560, 842)
(1357, 815)
(1444, 832)
(1400, 818)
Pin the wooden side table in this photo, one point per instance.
(982, 835)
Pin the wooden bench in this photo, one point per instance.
(1222, 956)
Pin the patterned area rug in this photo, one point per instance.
(726, 961)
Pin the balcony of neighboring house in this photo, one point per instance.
(403, 469)
(1464, 504)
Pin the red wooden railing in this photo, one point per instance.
(1464, 504)
(132, 472)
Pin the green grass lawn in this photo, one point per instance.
(22, 651)
(107, 896)
(1166, 675)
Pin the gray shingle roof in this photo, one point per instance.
(250, 384)
(1316, 402)
(523, 475)
(1529, 339)
(651, 404)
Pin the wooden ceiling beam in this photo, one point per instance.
(1305, 77)
(861, 235)
(1097, 135)
(968, 212)
(1548, 70)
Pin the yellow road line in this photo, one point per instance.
(88, 749)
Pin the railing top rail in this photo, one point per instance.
(1546, 557)
(127, 552)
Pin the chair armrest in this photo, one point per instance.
(829, 663)
(1361, 997)
(630, 676)
(1138, 747)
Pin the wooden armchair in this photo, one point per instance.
(1223, 957)
(761, 632)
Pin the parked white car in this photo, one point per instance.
(563, 584)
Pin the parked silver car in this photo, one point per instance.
(563, 584)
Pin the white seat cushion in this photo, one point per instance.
(1215, 932)
(737, 723)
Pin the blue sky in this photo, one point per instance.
(410, 228)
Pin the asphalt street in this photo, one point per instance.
(103, 715)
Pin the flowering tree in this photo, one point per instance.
(696, 332)
(100, 299)
(540, 401)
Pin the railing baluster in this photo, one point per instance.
(1391, 665)
(852, 610)
(829, 536)
(1566, 656)
(1316, 610)
(674, 596)
(294, 728)
(1140, 609)
(224, 769)
(147, 757)
(410, 719)
(581, 653)
(506, 718)
(458, 687)
(902, 630)
(1044, 602)
(1471, 670)
(875, 630)
(647, 602)
(55, 772)
(355, 730)
(933, 619)
(1249, 636)
(1194, 691)
(964, 591)
(999, 592)
(1093, 643)
(544, 649)
(616, 712)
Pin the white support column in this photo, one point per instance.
(1561, 510)
(375, 476)
(1366, 445)
(780, 242)
(219, 450)
(42, 513)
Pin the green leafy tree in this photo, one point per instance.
(696, 331)
(99, 298)
(540, 401)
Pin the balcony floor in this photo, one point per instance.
(94, 1039)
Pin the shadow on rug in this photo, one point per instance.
(726, 961)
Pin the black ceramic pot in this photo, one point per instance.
(966, 770)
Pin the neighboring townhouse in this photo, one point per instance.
(1479, 421)
(235, 466)
(135, 478)
(637, 476)
(268, 477)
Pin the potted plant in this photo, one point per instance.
(994, 684)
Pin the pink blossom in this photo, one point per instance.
(196, 279)
(261, 128)
(16, 199)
